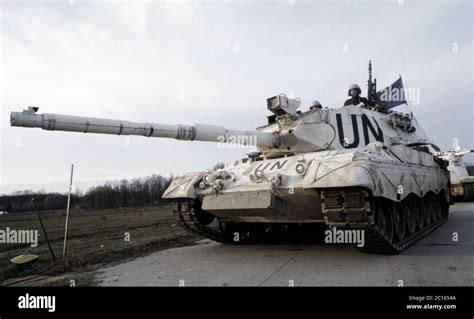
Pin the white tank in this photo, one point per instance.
(352, 168)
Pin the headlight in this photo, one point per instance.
(207, 179)
(300, 169)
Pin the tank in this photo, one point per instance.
(350, 168)
(462, 185)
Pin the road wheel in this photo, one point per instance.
(426, 210)
(202, 217)
(439, 206)
(433, 199)
(444, 206)
(419, 212)
(410, 214)
(383, 218)
(399, 223)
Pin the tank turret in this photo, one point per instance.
(462, 185)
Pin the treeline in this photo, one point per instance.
(21, 201)
(139, 191)
(135, 192)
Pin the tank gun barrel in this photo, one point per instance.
(193, 132)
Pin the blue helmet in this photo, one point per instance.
(354, 87)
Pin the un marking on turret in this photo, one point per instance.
(366, 126)
(268, 166)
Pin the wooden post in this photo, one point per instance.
(67, 213)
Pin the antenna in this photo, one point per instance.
(370, 71)
(370, 85)
(409, 110)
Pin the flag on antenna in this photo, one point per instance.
(392, 95)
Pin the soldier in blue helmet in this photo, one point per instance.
(354, 92)
(315, 105)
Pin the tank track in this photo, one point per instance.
(377, 243)
(186, 216)
(355, 209)
(186, 220)
(343, 209)
(468, 192)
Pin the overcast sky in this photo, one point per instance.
(212, 62)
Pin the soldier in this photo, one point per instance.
(356, 99)
(315, 105)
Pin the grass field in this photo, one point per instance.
(96, 237)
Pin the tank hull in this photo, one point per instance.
(340, 189)
(463, 190)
